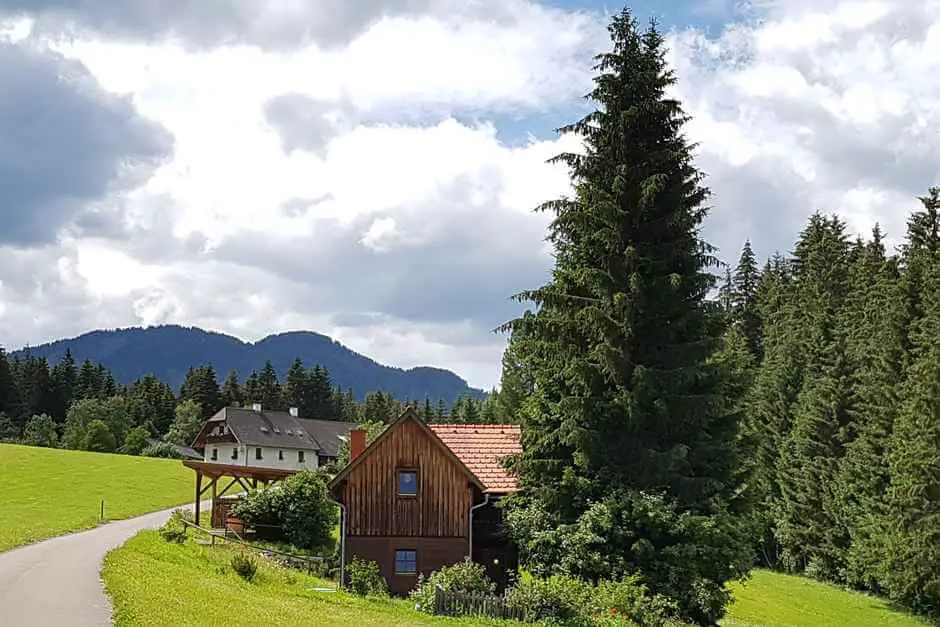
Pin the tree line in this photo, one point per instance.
(682, 430)
(82, 407)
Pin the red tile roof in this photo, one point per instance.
(482, 449)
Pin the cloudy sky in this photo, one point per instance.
(367, 168)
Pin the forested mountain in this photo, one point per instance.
(169, 351)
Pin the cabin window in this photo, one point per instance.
(258, 453)
(300, 457)
(407, 482)
(280, 455)
(406, 562)
(235, 453)
(215, 454)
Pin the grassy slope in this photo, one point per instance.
(769, 598)
(153, 582)
(48, 492)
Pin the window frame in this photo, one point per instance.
(396, 561)
(235, 453)
(406, 495)
(280, 456)
(215, 455)
(300, 457)
(258, 453)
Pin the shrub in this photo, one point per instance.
(98, 437)
(136, 440)
(466, 577)
(560, 599)
(365, 578)
(40, 431)
(245, 566)
(298, 507)
(162, 449)
(563, 600)
(174, 530)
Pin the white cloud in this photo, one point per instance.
(337, 190)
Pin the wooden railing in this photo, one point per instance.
(304, 562)
(474, 604)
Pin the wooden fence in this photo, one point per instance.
(478, 604)
(310, 563)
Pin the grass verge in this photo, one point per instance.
(774, 599)
(49, 492)
(154, 582)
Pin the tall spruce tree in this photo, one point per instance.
(807, 516)
(875, 317)
(231, 394)
(744, 311)
(630, 454)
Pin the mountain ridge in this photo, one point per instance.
(168, 351)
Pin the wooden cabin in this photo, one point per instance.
(422, 496)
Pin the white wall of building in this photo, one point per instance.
(270, 457)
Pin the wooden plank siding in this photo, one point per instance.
(370, 491)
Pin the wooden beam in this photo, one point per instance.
(215, 481)
(230, 484)
(198, 494)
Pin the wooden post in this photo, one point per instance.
(215, 481)
(198, 495)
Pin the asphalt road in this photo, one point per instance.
(57, 582)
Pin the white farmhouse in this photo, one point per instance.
(256, 438)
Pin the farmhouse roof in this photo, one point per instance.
(280, 429)
(479, 450)
(483, 448)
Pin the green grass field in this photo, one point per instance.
(153, 582)
(48, 492)
(774, 599)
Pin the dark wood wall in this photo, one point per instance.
(442, 506)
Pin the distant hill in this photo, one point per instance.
(168, 351)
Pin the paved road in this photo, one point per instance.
(57, 582)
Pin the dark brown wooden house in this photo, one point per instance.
(422, 496)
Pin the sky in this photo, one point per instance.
(368, 169)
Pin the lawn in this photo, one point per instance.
(48, 492)
(773, 599)
(154, 582)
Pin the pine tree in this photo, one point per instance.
(297, 392)
(9, 395)
(875, 317)
(89, 383)
(911, 523)
(626, 423)
(743, 298)
(427, 412)
(807, 514)
(231, 394)
(263, 387)
(157, 404)
(321, 395)
(64, 378)
(202, 386)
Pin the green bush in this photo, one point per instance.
(135, 441)
(466, 577)
(174, 530)
(245, 566)
(559, 599)
(298, 508)
(41, 431)
(563, 600)
(365, 578)
(98, 438)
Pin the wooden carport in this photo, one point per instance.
(238, 475)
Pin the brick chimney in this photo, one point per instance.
(357, 443)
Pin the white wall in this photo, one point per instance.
(270, 459)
